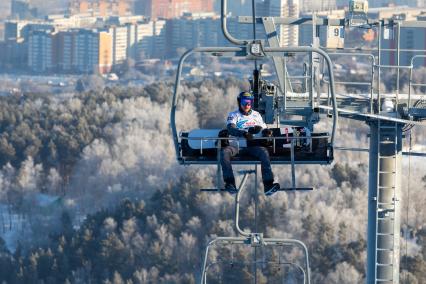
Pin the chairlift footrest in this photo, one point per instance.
(295, 189)
(289, 189)
(218, 190)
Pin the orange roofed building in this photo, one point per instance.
(80, 51)
(168, 9)
(101, 8)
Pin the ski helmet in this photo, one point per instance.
(245, 96)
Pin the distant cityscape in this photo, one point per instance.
(97, 36)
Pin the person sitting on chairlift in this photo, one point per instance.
(245, 122)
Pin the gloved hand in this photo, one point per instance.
(254, 130)
(248, 135)
(223, 142)
(267, 132)
(267, 142)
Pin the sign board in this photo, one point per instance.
(388, 33)
(335, 37)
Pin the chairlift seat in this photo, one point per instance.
(198, 149)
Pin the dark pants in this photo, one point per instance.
(258, 152)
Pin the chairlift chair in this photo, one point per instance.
(290, 145)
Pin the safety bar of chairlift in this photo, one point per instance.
(238, 139)
(266, 50)
(284, 263)
(411, 78)
(267, 241)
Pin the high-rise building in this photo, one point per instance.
(288, 35)
(236, 7)
(14, 29)
(40, 51)
(188, 32)
(158, 41)
(119, 44)
(14, 54)
(140, 40)
(411, 38)
(100, 7)
(144, 38)
(403, 12)
(22, 29)
(64, 50)
(313, 5)
(191, 31)
(168, 9)
(21, 9)
(92, 51)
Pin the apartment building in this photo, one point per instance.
(21, 9)
(65, 42)
(41, 51)
(288, 35)
(313, 5)
(14, 29)
(140, 40)
(188, 32)
(22, 29)
(82, 51)
(203, 30)
(120, 43)
(411, 38)
(168, 9)
(101, 8)
(14, 54)
(92, 51)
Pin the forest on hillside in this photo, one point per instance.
(121, 210)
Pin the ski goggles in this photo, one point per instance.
(246, 102)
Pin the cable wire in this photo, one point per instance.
(253, 8)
